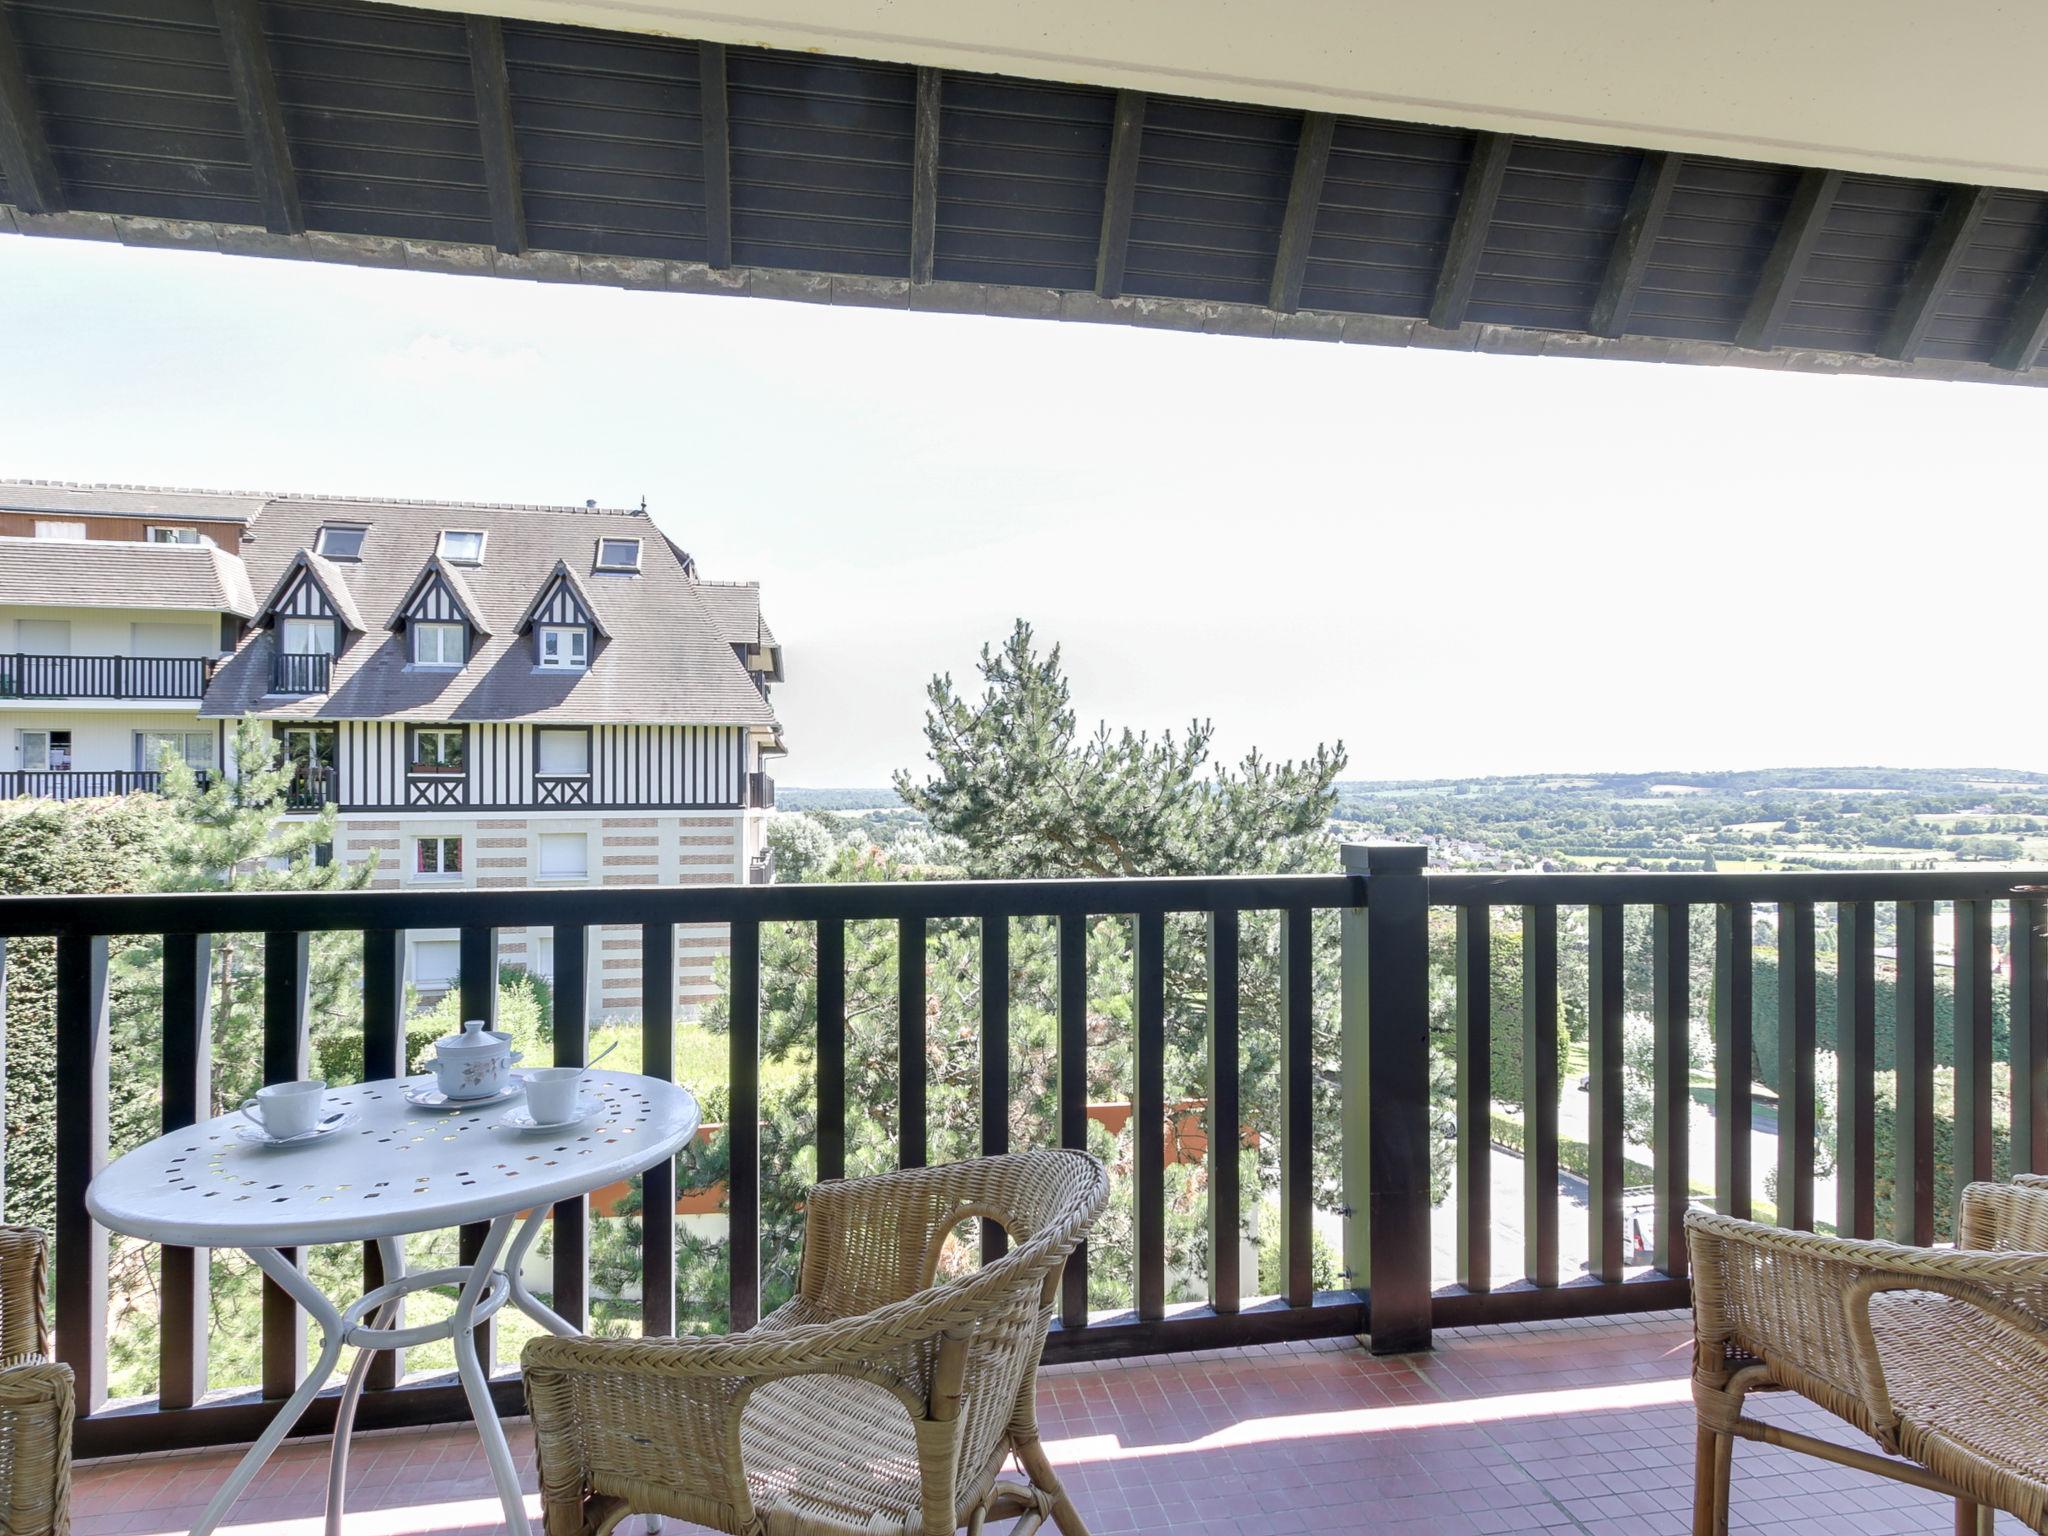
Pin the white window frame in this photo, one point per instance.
(439, 843)
(361, 530)
(561, 841)
(440, 631)
(182, 741)
(482, 537)
(69, 530)
(47, 747)
(602, 564)
(565, 647)
(180, 533)
(417, 762)
(306, 628)
(543, 735)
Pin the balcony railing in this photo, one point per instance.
(300, 672)
(761, 868)
(1377, 1142)
(80, 784)
(761, 791)
(312, 789)
(24, 675)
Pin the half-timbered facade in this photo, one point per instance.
(490, 696)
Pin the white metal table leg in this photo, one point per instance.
(477, 1386)
(302, 1290)
(522, 1298)
(391, 1314)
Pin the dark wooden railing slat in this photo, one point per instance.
(187, 1060)
(1226, 1116)
(1734, 1052)
(1856, 1069)
(383, 1057)
(1297, 1109)
(1607, 1145)
(1671, 1086)
(1973, 1011)
(477, 986)
(79, 1288)
(571, 1218)
(285, 1047)
(995, 1062)
(831, 1064)
(1073, 1092)
(658, 1184)
(2028, 1042)
(1797, 994)
(1475, 1098)
(912, 1148)
(1913, 1122)
(1539, 1094)
(1148, 1115)
(743, 1128)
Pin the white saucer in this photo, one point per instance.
(254, 1135)
(421, 1093)
(588, 1108)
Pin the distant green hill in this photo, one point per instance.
(795, 799)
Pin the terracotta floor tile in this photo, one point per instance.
(1582, 1429)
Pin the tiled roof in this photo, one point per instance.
(130, 501)
(667, 657)
(102, 573)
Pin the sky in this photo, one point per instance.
(1458, 565)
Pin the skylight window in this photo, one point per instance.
(339, 541)
(462, 546)
(618, 554)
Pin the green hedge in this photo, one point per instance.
(1764, 971)
(48, 847)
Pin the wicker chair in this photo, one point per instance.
(35, 1397)
(874, 1402)
(1940, 1355)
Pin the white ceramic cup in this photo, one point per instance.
(287, 1109)
(551, 1093)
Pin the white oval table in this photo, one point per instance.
(397, 1170)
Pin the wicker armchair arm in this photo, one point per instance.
(1800, 1302)
(24, 1307)
(1870, 1363)
(35, 1447)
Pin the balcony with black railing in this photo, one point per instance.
(26, 675)
(80, 783)
(1369, 1065)
(300, 672)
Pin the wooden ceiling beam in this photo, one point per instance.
(924, 176)
(493, 85)
(1629, 262)
(1806, 216)
(32, 179)
(714, 114)
(254, 82)
(1119, 193)
(1304, 201)
(1484, 173)
(2026, 330)
(1961, 214)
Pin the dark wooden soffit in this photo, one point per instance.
(381, 135)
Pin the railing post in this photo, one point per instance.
(81, 1242)
(286, 964)
(1385, 1074)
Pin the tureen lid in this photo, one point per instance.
(474, 1037)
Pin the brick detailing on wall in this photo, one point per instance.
(378, 844)
(631, 821)
(501, 842)
(350, 824)
(635, 841)
(495, 882)
(497, 823)
(501, 863)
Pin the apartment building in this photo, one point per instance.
(490, 695)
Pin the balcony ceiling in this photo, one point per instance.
(1816, 187)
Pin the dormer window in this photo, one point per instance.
(173, 535)
(440, 645)
(618, 554)
(462, 546)
(340, 541)
(565, 647)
